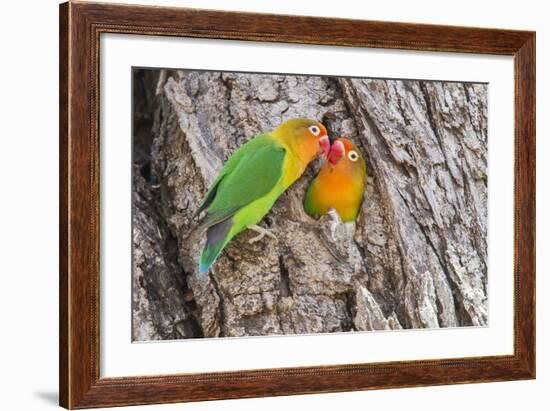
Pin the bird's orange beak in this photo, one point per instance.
(324, 144)
(336, 152)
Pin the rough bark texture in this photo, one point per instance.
(416, 258)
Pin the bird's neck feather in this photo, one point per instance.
(303, 149)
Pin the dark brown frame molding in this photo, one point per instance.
(81, 24)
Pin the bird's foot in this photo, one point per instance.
(334, 223)
(262, 233)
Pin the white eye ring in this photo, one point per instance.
(353, 156)
(314, 130)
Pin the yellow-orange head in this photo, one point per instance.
(304, 137)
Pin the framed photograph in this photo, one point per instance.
(258, 205)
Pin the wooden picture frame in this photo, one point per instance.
(80, 27)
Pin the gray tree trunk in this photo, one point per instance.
(416, 258)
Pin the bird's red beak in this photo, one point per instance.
(324, 143)
(336, 152)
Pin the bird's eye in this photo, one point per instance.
(353, 156)
(314, 130)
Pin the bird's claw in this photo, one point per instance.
(334, 223)
(262, 233)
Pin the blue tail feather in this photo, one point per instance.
(216, 240)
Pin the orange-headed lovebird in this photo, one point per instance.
(340, 183)
(253, 178)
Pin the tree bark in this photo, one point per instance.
(416, 257)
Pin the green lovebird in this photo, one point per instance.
(253, 178)
(340, 184)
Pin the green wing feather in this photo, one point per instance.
(250, 174)
(309, 205)
(231, 163)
